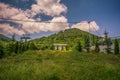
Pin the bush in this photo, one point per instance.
(87, 43)
(97, 49)
(1, 51)
(116, 50)
(79, 47)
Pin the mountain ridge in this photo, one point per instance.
(4, 38)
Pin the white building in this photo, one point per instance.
(104, 47)
(60, 46)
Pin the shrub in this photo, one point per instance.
(116, 45)
(97, 49)
(79, 47)
(1, 51)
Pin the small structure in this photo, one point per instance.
(60, 46)
(104, 47)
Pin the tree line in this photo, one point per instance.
(106, 42)
(15, 47)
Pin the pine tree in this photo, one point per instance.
(87, 43)
(97, 49)
(11, 48)
(20, 47)
(108, 42)
(1, 51)
(16, 47)
(13, 37)
(116, 47)
(79, 47)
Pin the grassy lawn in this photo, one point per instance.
(56, 65)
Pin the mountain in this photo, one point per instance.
(4, 38)
(68, 36)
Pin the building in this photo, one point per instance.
(104, 47)
(60, 46)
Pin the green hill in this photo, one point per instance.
(4, 38)
(69, 36)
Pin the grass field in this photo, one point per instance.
(56, 65)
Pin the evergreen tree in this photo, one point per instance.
(11, 48)
(13, 37)
(16, 47)
(87, 43)
(108, 42)
(24, 47)
(20, 47)
(1, 51)
(79, 47)
(97, 49)
(116, 47)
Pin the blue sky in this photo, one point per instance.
(104, 13)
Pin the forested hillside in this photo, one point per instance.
(69, 36)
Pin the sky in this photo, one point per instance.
(44, 17)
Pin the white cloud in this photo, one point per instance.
(56, 24)
(85, 26)
(49, 7)
(7, 29)
(6, 11)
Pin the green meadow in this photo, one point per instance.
(58, 65)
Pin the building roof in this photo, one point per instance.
(60, 44)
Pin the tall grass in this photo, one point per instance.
(56, 65)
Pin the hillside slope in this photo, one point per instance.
(69, 36)
(4, 38)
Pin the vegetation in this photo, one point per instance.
(4, 38)
(15, 47)
(1, 50)
(78, 46)
(97, 49)
(36, 59)
(56, 65)
(116, 50)
(69, 36)
(87, 43)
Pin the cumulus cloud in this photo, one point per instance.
(7, 29)
(56, 24)
(28, 24)
(6, 11)
(85, 26)
(49, 7)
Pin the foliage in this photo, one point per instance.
(4, 38)
(68, 36)
(1, 50)
(108, 43)
(55, 65)
(97, 49)
(78, 46)
(87, 43)
(116, 47)
(32, 46)
(15, 47)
